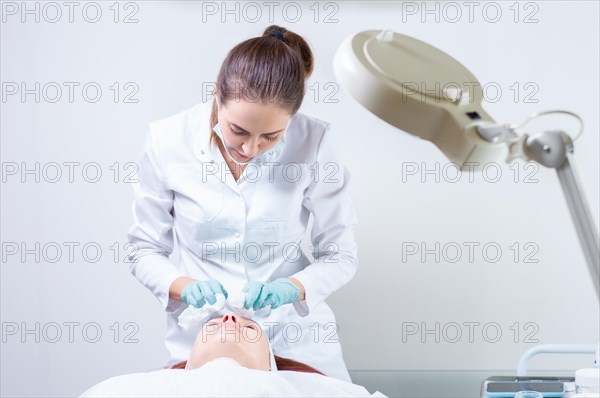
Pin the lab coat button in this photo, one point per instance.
(237, 234)
(202, 151)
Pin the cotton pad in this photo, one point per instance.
(236, 303)
(192, 316)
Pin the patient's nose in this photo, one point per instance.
(229, 318)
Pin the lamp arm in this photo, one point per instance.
(582, 217)
(554, 149)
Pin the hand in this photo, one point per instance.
(277, 293)
(199, 292)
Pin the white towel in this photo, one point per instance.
(225, 377)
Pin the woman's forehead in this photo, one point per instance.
(263, 117)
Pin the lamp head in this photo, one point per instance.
(419, 89)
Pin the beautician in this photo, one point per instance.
(235, 181)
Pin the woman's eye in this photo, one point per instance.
(251, 326)
(274, 138)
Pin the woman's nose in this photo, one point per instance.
(229, 318)
(251, 147)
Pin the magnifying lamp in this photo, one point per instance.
(422, 90)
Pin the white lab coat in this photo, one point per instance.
(246, 230)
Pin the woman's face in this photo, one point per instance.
(233, 337)
(251, 128)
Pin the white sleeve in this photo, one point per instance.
(152, 231)
(332, 235)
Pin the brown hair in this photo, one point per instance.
(265, 69)
(282, 364)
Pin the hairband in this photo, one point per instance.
(277, 34)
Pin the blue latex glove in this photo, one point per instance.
(199, 292)
(277, 293)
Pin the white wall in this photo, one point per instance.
(169, 54)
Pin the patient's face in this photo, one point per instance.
(233, 337)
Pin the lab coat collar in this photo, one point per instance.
(198, 130)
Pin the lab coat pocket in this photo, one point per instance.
(197, 196)
(203, 238)
(263, 245)
(266, 231)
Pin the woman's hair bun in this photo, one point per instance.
(298, 44)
